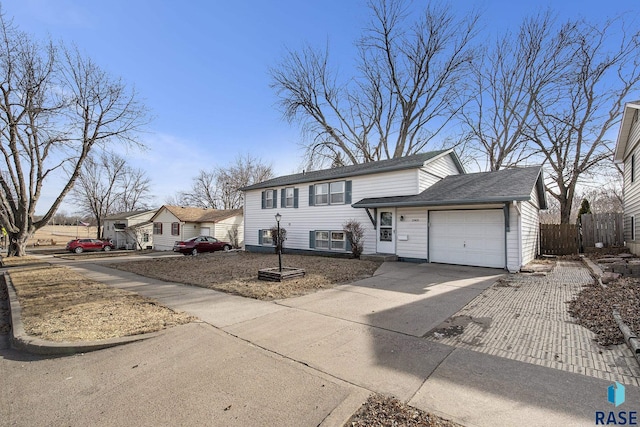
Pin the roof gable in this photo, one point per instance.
(505, 185)
(630, 109)
(407, 162)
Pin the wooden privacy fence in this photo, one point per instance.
(559, 239)
(567, 239)
(606, 228)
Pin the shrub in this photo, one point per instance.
(355, 235)
(278, 241)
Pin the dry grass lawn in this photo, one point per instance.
(59, 304)
(237, 272)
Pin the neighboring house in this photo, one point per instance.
(628, 153)
(175, 223)
(421, 208)
(130, 230)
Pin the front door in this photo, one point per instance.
(386, 231)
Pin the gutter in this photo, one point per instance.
(487, 200)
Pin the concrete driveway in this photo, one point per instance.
(402, 297)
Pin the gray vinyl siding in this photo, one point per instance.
(436, 170)
(631, 190)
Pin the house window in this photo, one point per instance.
(322, 239)
(268, 200)
(175, 228)
(322, 194)
(633, 228)
(266, 237)
(633, 167)
(337, 193)
(145, 237)
(157, 228)
(288, 200)
(337, 240)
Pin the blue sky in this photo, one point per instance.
(202, 66)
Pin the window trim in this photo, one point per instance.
(268, 198)
(313, 244)
(343, 241)
(328, 240)
(266, 237)
(316, 194)
(342, 193)
(157, 226)
(288, 198)
(175, 228)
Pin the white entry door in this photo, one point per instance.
(205, 231)
(386, 238)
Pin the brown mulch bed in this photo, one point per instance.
(384, 411)
(594, 306)
(237, 272)
(59, 304)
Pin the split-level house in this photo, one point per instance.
(422, 208)
(627, 154)
(176, 223)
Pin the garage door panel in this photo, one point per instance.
(467, 237)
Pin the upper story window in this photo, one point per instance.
(175, 228)
(337, 192)
(269, 199)
(322, 194)
(157, 228)
(330, 193)
(288, 197)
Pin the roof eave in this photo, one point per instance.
(453, 202)
(625, 129)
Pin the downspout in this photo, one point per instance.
(505, 210)
(519, 209)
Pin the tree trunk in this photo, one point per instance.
(17, 244)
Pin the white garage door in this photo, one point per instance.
(473, 237)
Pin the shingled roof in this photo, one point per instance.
(408, 162)
(474, 188)
(191, 214)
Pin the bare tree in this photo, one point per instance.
(108, 185)
(246, 170)
(572, 126)
(509, 80)
(56, 105)
(411, 86)
(220, 187)
(134, 191)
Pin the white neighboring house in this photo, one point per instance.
(130, 230)
(177, 223)
(421, 208)
(627, 153)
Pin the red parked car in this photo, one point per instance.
(196, 245)
(81, 245)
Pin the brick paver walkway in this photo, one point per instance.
(525, 318)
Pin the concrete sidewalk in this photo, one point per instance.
(368, 336)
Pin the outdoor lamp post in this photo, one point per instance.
(278, 218)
